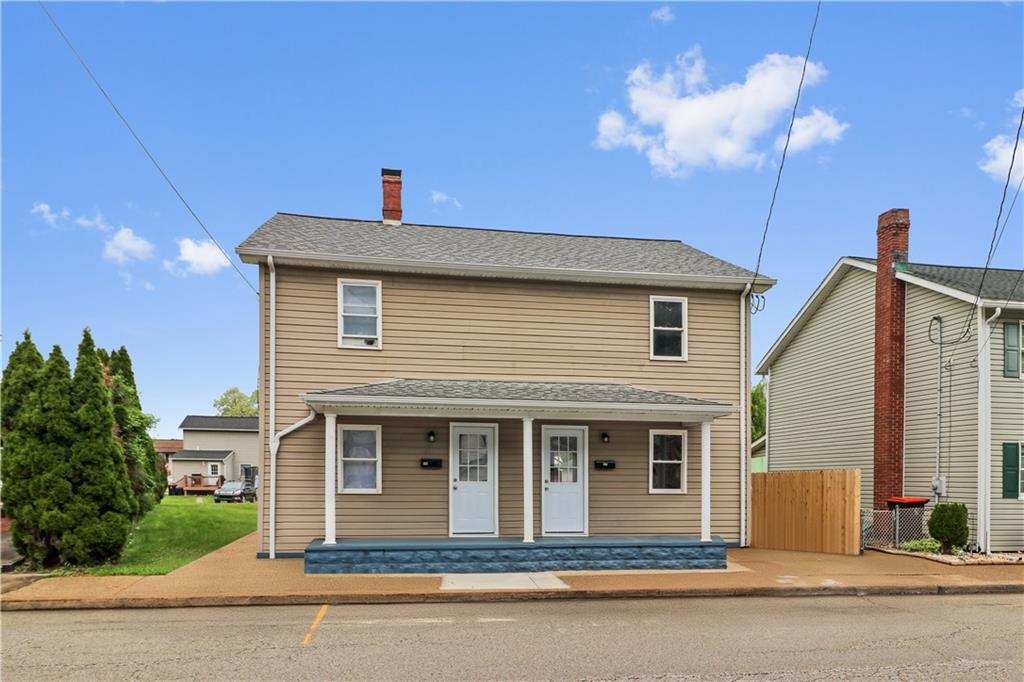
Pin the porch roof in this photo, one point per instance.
(451, 397)
(200, 455)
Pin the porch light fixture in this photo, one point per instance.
(431, 436)
(604, 437)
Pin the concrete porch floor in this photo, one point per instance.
(234, 576)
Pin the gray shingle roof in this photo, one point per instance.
(356, 239)
(200, 455)
(217, 423)
(515, 391)
(1000, 284)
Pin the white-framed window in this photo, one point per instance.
(667, 469)
(213, 468)
(359, 459)
(668, 328)
(359, 314)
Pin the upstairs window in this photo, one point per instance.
(668, 328)
(1013, 354)
(359, 313)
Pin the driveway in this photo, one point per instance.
(841, 638)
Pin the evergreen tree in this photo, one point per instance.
(40, 444)
(104, 356)
(102, 506)
(21, 377)
(147, 474)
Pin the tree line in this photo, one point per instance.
(79, 468)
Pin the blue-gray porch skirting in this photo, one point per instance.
(499, 555)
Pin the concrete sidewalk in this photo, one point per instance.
(232, 576)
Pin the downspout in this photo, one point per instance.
(936, 482)
(272, 406)
(744, 451)
(984, 365)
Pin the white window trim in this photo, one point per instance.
(1020, 470)
(685, 331)
(209, 468)
(340, 446)
(380, 314)
(650, 462)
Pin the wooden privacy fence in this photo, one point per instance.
(806, 511)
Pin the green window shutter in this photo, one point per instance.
(1011, 470)
(1011, 349)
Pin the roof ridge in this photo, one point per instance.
(491, 229)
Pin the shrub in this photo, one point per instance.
(948, 525)
(930, 545)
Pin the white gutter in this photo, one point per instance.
(984, 504)
(744, 454)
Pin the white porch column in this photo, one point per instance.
(330, 476)
(705, 481)
(527, 479)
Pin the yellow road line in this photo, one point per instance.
(316, 621)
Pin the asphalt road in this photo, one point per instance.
(847, 638)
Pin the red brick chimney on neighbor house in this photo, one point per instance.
(890, 313)
(391, 179)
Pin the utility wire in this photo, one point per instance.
(138, 139)
(996, 232)
(778, 176)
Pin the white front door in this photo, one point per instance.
(564, 474)
(474, 481)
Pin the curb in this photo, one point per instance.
(504, 596)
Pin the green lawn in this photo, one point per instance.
(180, 530)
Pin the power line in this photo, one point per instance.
(138, 139)
(778, 176)
(996, 232)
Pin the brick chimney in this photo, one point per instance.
(391, 179)
(890, 313)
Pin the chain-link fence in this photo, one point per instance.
(891, 528)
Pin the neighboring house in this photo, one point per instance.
(423, 381)
(859, 379)
(165, 447)
(758, 464)
(216, 446)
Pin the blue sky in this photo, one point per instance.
(531, 117)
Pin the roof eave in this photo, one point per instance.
(810, 306)
(286, 257)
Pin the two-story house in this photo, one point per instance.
(910, 372)
(454, 399)
(213, 449)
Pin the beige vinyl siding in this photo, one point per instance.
(190, 466)
(958, 461)
(1007, 426)
(821, 389)
(245, 445)
(414, 501)
(437, 327)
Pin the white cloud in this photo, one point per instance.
(198, 258)
(663, 15)
(1018, 98)
(97, 222)
(440, 198)
(812, 129)
(124, 245)
(48, 215)
(998, 151)
(680, 123)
